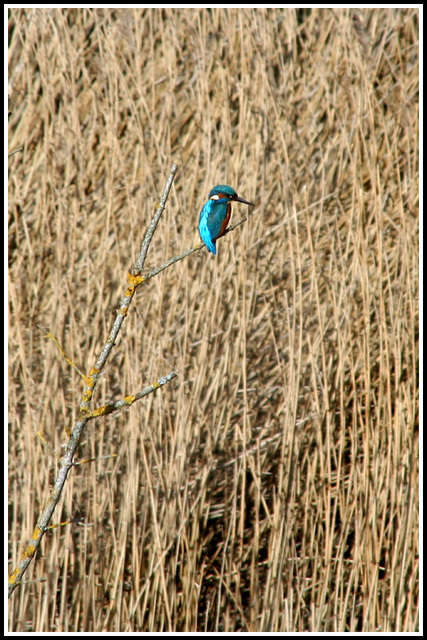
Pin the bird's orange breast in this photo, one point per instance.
(225, 221)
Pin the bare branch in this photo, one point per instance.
(91, 381)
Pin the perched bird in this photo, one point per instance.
(215, 215)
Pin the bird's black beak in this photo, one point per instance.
(237, 199)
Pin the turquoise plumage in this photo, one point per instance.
(215, 215)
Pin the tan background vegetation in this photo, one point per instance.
(274, 484)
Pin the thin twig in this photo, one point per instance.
(12, 153)
(139, 265)
(106, 409)
(183, 255)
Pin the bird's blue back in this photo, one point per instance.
(210, 222)
(216, 213)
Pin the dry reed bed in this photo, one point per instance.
(274, 484)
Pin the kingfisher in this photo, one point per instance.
(215, 215)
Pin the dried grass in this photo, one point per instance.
(273, 486)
